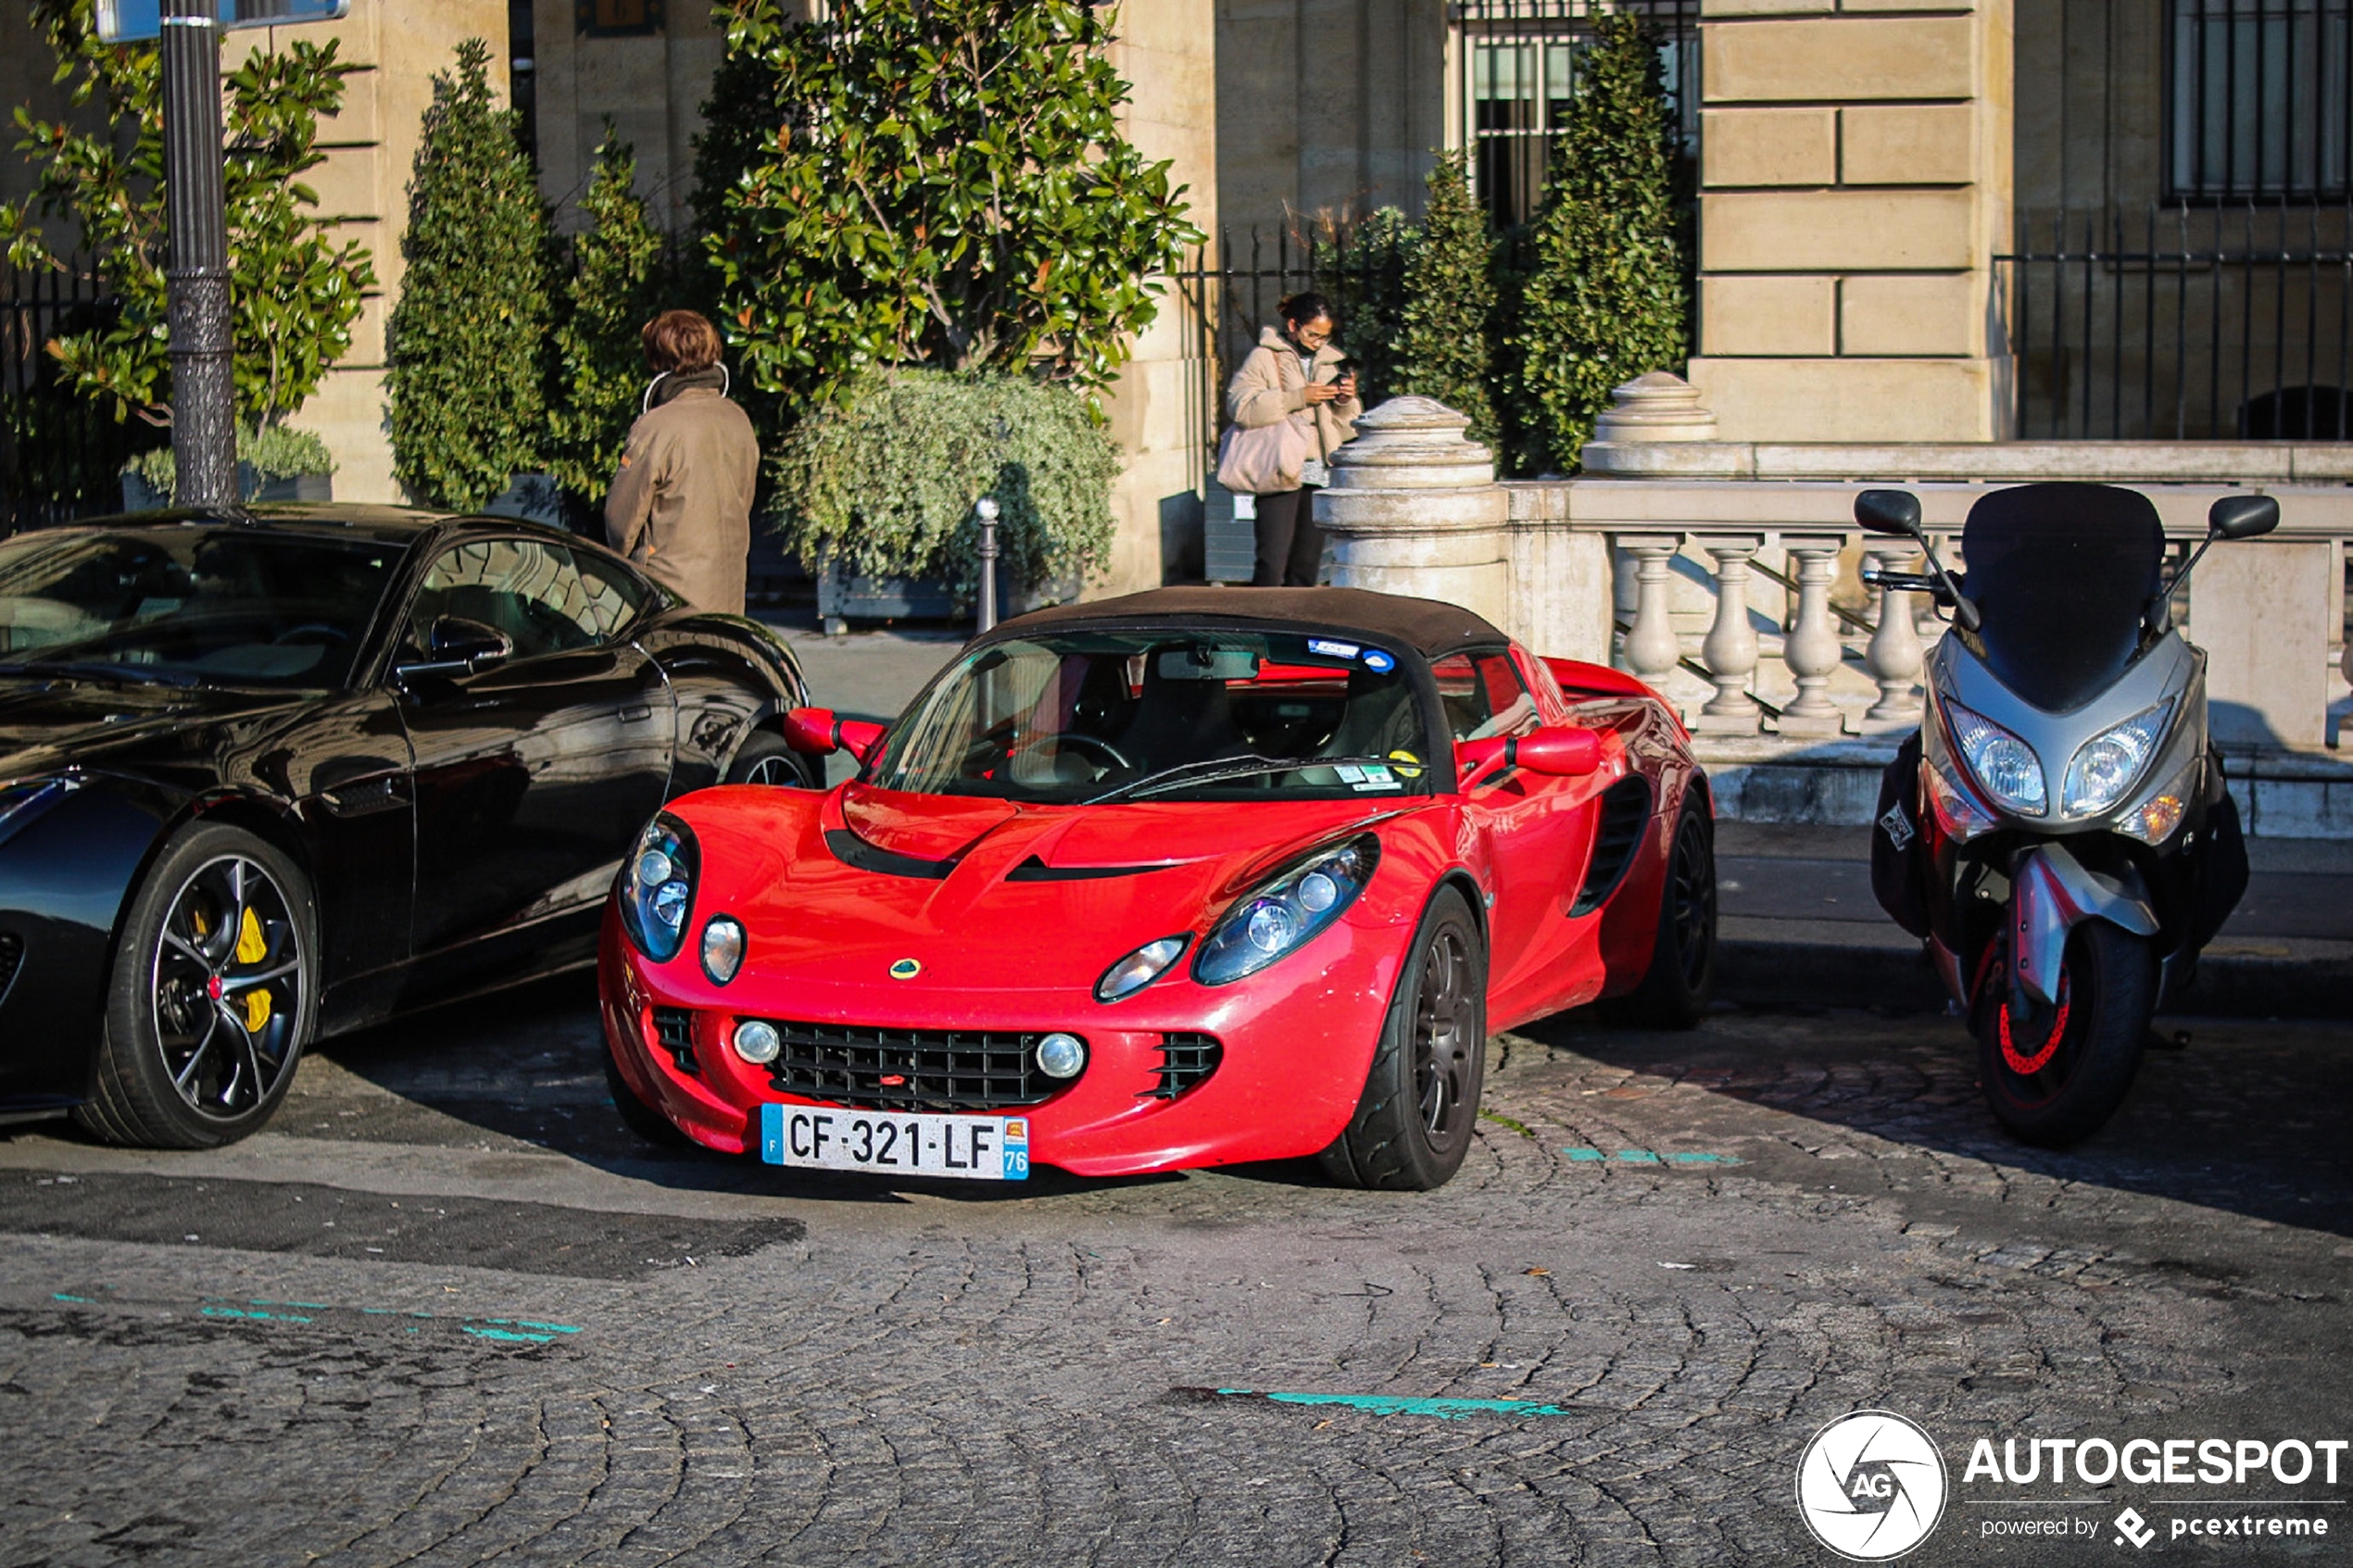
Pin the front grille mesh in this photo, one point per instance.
(674, 1028)
(911, 1069)
(1186, 1060)
(1626, 811)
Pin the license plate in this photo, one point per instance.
(910, 1143)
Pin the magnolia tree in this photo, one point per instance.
(932, 183)
(296, 292)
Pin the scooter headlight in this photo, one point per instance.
(2004, 765)
(658, 887)
(2108, 764)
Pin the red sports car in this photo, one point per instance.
(1185, 878)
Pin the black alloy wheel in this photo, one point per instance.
(2055, 1072)
(1414, 1119)
(213, 997)
(1681, 982)
(764, 759)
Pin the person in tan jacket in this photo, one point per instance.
(1295, 374)
(680, 505)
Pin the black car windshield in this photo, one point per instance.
(1194, 715)
(238, 607)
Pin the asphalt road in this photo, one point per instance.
(448, 1312)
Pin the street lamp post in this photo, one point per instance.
(203, 431)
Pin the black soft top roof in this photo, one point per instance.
(1428, 627)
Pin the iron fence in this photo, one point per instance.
(2188, 322)
(61, 454)
(1513, 72)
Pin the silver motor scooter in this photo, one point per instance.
(2059, 831)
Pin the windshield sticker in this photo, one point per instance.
(1331, 649)
(1378, 662)
(1377, 777)
(1349, 773)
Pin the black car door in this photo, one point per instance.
(535, 774)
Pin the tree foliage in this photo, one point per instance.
(885, 480)
(616, 285)
(1441, 347)
(295, 293)
(469, 340)
(1603, 298)
(1361, 271)
(948, 186)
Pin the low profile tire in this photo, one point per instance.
(1680, 982)
(764, 759)
(641, 1117)
(1413, 1123)
(213, 999)
(2055, 1078)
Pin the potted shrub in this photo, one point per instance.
(274, 464)
(877, 493)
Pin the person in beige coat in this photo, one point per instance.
(1295, 374)
(680, 505)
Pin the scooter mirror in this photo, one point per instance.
(1889, 511)
(2243, 517)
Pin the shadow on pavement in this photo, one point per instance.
(2244, 1120)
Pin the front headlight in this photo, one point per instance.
(2004, 766)
(1287, 912)
(657, 889)
(2110, 762)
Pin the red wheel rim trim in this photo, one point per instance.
(2027, 1066)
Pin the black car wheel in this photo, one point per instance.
(1680, 982)
(1413, 1122)
(650, 1125)
(764, 759)
(213, 998)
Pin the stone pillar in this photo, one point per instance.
(1414, 509)
(1652, 422)
(1168, 51)
(2263, 613)
(1855, 184)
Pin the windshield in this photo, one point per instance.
(191, 606)
(1197, 715)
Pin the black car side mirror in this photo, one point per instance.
(1889, 511)
(2243, 517)
(458, 646)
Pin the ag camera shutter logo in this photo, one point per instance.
(1872, 1485)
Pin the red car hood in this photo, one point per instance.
(989, 896)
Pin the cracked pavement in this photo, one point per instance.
(447, 1310)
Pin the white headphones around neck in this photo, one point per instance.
(646, 403)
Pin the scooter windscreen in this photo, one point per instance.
(2063, 575)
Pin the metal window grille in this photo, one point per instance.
(2257, 99)
(61, 454)
(1513, 76)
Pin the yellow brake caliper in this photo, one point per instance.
(252, 947)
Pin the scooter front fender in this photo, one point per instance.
(2051, 894)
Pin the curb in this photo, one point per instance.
(2234, 980)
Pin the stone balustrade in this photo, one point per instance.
(1742, 600)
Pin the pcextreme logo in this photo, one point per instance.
(1870, 1486)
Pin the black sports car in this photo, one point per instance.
(267, 776)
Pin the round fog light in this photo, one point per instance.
(757, 1042)
(1061, 1055)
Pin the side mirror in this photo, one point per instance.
(1889, 511)
(1563, 752)
(2243, 517)
(458, 646)
(819, 732)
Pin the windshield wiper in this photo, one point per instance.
(1217, 770)
(143, 674)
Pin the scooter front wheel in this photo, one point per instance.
(2055, 1074)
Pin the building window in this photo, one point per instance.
(619, 19)
(2258, 98)
(1515, 74)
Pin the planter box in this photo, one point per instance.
(139, 496)
(842, 598)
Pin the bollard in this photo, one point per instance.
(987, 508)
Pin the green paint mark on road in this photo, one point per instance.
(252, 1315)
(1653, 1157)
(1391, 1404)
(61, 1296)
